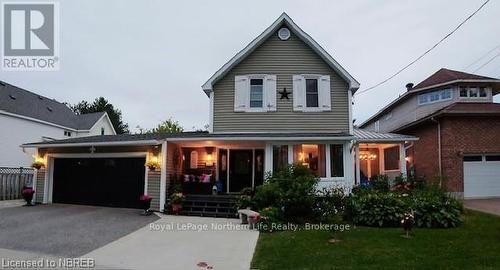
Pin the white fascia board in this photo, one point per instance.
(37, 120)
(270, 138)
(121, 143)
(353, 84)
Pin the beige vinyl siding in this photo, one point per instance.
(40, 185)
(154, 188)
(284, 59)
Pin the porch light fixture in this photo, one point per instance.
(38, 162)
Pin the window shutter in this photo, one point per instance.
(324, 93)
(270, 93)
(299, 93)
(241, 93)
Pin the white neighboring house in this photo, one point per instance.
(29, 117)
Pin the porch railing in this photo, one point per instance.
(12, 181)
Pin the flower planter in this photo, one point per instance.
(146, 205)
(27, 194)
(176, 208)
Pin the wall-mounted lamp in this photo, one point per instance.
(39, 162)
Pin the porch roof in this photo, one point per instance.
(365, 136)
(156, 139)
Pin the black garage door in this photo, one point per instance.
(116, 182)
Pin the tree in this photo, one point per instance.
(102, 105)
(167, 126)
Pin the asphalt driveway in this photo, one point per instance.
(491, 206)
(66, 230)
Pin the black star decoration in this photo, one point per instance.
(284, 94)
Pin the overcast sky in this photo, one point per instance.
(150, 58)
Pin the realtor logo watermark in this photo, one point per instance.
(30, 35)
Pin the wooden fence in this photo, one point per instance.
(12, 181)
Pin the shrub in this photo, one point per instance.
(330, 204)
(270, 219)
(291, 189)
(376, 208)
(381, 183)
(434, 209)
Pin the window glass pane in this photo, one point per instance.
(423, 99)
(391, 158)
(312, 156)
(256, 93)
(280, 157)
(446, 94)
(473, 158)
(493, 158)
(337, 160)
(473, 92)
(463, 92)
(434, 96)
(482, 92)
(311, 93)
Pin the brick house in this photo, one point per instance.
(458, 126)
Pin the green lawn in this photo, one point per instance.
(473, 245)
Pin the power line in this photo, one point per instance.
(482, 57)
(489, 61)
(426, 52)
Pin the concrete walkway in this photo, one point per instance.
(177, 242)
(491, 206)
(11, 203)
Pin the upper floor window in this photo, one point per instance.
(256, 93)
(473, 92)
(312, 93)
(67, 133)
(102, 131)
(435, 96)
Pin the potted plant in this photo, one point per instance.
(152, 165)
(146, 204)
(37, 164)
(27, 193)
(176, 202)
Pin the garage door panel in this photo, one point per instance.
(482, 179)
(116, 182)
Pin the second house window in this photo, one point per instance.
(311, 93)
(256, 93)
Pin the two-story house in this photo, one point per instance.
(281, 100)
(26, 116)
(458, 126)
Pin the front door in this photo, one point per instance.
(240, 169)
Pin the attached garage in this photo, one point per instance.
(115, 182)
(481, 176)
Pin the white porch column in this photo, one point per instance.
(358, 169)
(268, 158)
(290, 153)
(163, 176)
(402, 159)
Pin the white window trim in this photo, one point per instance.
(316, 77)
(263, 78)
(488, 93)
(440, 99)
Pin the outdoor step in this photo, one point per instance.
(208, 214)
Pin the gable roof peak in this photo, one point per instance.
(283, 18)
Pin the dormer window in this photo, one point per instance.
(473, 92)
(435, 96)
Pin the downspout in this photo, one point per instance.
(439, 150)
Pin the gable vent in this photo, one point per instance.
(12, 97)
(2, 83)
(49, 109)
(40, 97)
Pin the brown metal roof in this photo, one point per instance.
(445, 75)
